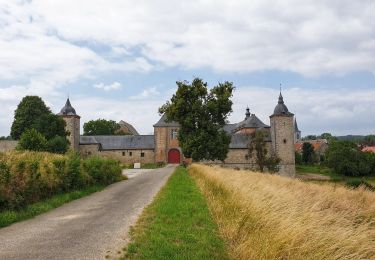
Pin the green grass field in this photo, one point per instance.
(345, 180)
(177, 225)
(11, 216)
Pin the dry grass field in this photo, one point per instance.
(263, 216)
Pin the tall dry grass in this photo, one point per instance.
(264, 216)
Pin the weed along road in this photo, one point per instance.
(94, 227)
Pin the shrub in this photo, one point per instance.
(28, 177)
(57, 144)
(32, 140)
(103, 170)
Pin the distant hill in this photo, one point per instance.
(354, 138)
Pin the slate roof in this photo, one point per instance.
(241, 140)
(229, 128)
(163, 123)
(120, 142)
(129, 126)
(67, 110)
(250, 122)
(281, 109)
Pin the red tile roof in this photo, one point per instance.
(369, 149)
(315, 143)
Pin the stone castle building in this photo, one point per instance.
(163, 146)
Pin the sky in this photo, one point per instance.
(120, 59)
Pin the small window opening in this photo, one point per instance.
(130, 153)
(123, 153)
(284, 141)
(142, 154)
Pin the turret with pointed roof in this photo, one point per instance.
(282, 135)
(72, 120)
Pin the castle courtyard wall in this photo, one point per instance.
(130, 156)
(7, 145)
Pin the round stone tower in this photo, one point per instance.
(72, 120)
(282, 136)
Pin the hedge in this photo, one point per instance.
(28, 177)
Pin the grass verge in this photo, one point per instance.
(263, 216)
(11, 216)
(176, 225)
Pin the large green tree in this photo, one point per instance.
(100, 127)
(33, 114)
(201, 113)
(346, 159)
(307, 152)
(28, 112)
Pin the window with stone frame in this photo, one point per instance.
(142, 154)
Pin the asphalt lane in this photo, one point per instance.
(93, 227)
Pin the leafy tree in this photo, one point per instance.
(32, 140)
(6, 138)
(100, 127)
(50, 125)
(307, 152)
(32, 113)
(257, 144)
(346, 159)
(328, 136)
(201, 113)
(309, 137)
(57, 144)
(28, 112)
(298, 158)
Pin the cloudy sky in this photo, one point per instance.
(120, 59)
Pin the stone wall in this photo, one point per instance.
(130, 156)
(73, 127)
(89, 149)
(282, 135)
(164, 142)
(7, 145)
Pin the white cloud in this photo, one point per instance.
(109, 87)
(311, 37)
(317, 111)
(340, 112)
(149, 93)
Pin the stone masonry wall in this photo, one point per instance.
(7, 145)
(73, 127)
(282, 135)
(130, 156)
(164, 142)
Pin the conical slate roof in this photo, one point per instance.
(281, 108)
(67, 110)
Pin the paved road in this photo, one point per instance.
(89, 228)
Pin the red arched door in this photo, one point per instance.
(174, 156)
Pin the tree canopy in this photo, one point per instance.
(34, 120)
(100, 127)
(307, 152)
(201, 113)
(346, 159)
